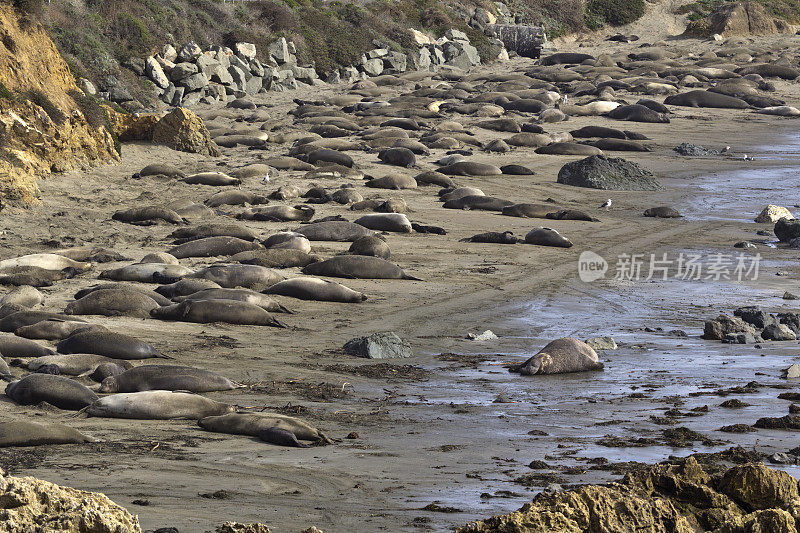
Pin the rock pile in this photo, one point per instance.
(749, 325)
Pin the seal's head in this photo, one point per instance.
(109, 384)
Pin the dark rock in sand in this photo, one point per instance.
(608, 173)
(718, 328)
(778, 332)
(694, 150)
(378, 346)
(787, 229)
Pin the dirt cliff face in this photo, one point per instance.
(46, 124)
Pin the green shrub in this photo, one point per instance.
(616, 12)
(5, 93)
(95, 114)
(40, 99)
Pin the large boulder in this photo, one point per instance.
(787, 229)
(155, 72)
(608, 173)
(378, 346)
(741, 18)
(756, 487)
(773, 213)
(27, 503)
(182, 130)
(724, 325)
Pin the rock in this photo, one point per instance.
(254, 85)
(189, 52)
(87, 87)
(279, 51)
(741, 18)
(195, 82)
(748, 499)
(245, 50)
(694, 150)
(778, 332)
(191, 99)
(184, 131)
(169, 53)
(718, 328)
(395, 62)
(754, 316)
(420, 38)
(456, 35)
(217, 92)
(129, 127)
(207, 65)
(602, 343)
(183, 70)
(739, 338)
(156, 73)
(420, 59)
(221, 75)
(136, 64)
(609, 173)
(372, 67)
(378, 346)
(773, 213)
(119, 94)
(487, 335)
(27, 503)
(781, 458)
(238, 76)
(789, 296)
(787, 229)
(793, 372)
(788, 422)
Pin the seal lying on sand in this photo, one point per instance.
(357, 266)
(252, 424)
(107, 343)
(22, 433)
(316, 289)
(157, 405)
(208, 311)
(561, 356)
(166, 377)
(59, 391)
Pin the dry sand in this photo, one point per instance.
(427, 427)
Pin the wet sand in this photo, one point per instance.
(429, 428)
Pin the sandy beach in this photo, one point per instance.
(449, 426)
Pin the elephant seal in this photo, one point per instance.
(107, 343)
(157, 405)
(213, 247)
(346, 196)
(781, 111)
(359, 267)
(570, 214)
(166, 377)
(483, 203)
(334, 230)
(399, 157)
(216, 179)
(500, 124)
(160, 169)
(568, 148)
(620, 145)
(529, 140)
(161, 300)
(701, 98)
(209, 311)
(59, 391)
(148, 215)
(393, 181)
(160, 257)
(239, 295)
(186, 286)
(547, 237)
(23, 295)
(528, 210)
(287, 240)
(280, 437)
(147, 272)
(562, 58)
(638, 113)
(516, 170)
(561, 356)
(285, 192)
(20, 433)
(324, 155)
(54, 262)
(18, 319)
(253, 423)
(216, 229)
(470, 168)
(113, 302)
(104, 370)
(230, 276)
(278, 213)
(371, 245)
(598, 131)
(662, 212)
(74, 364)
(34, 276)
(658, 107)
(445, 195)
(53, 330)
(276, 258)
(317, 290)
(11, 346)
(493, 237)
(396, 222)
(235, 198)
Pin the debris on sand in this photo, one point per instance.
(679, 498)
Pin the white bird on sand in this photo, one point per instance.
(564, 99)
(726, 149)
(606, 204)
(746, 158)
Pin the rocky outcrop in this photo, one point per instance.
(741, 18)
(27, 503)
(773, 213)
(46, 123)
(667, 498)
(182, 130)
(609, 173)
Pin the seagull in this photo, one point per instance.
(726, 149)
(606, 205)
(746, 158)
(564, 99)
